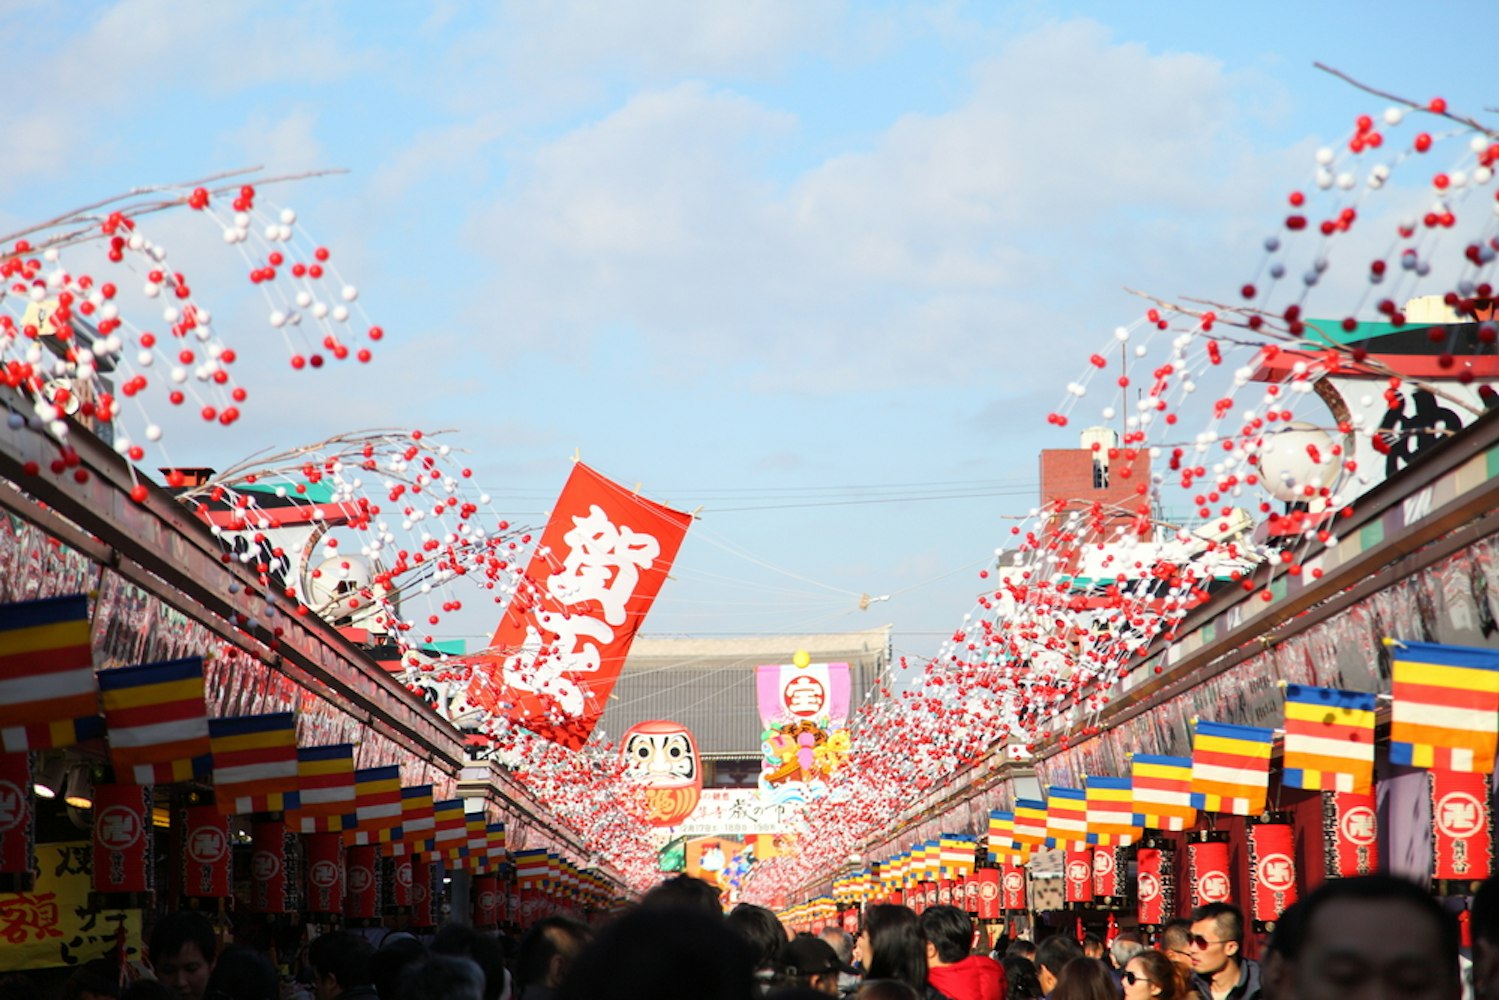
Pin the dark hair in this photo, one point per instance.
(887, 989)
(1169, 977)
(761, 929)
(390, 960)
(949, 930)
(463, 941)
(145, 989)
(1295, 925)
(1085, 978)
(896, 947)
(543, 941)
(15, 986)
(1177, 933)
(343, 955)
(1020, 978)
(1227, 917)
(443, 977)
(1053, 953)
(663, 952)
(1024, 947)
(177, 929)
(1485, 912)
(243, 974)
(684, 892)
(100, 977)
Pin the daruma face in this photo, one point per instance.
(663, 757)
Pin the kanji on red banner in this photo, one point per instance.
(989, 902)
(1156, 904)
(1108, 862)
(268, 873)
(1208, 863)
(205, 853)
(1272, 870)
(398, 887)
(362, 882)
(122, 838)
(325, 872)
(425, 877)
(1463, 829)
(559, 647)
(1350, 834)
(970, 893)
(15, 813)
(1077, 875)
(1012, 888)
(487, 901)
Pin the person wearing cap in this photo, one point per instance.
(811, 963)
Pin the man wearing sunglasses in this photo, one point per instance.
(1216, 941)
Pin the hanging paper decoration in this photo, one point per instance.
(1445, 714)
(325, 782)
(1463, 845)
(324, 854)
(1077, 875)
(1162, 790)
(254, 757)
(1230, 767)
(1012, 887)
(156, 720)
(804, 717)
(662, 758)
(1030, 824)
(205, 853)
(1329, 741)
(971, 893)
(1155, 893)
(1110, 865)
(377, 797)
(418, 817)
(1111, 810)
(362, 882)
(1208, 870)
(17, 819)
(989, 907)
(1350, 834)
(48, 695)
(487, 901)
(398, 885)
(1001, 834)
(270, 874)
(122, 838)
(559, 648)
(1272, 870)
(1066, 817)
(425, 877)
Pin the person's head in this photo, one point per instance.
(1176, 942)
(1216, 938)
(1084, 978)
(842, 943)
(1023, 947)
(395, 953)
(885, 989)
(547, 950)
(684, 892)
(892, 947)
(340, 961)
(1125, 947)
(1092, 946)
(1020, 978)
(1150, 975)
(241, 973)
(463, 941)
(663, 952)
(1484, 923)
(949, 935)
(1371, 936)
(1051, 956)
(761, 929)
(443, 977)
(811, 962)
(96, 980)
(181, 952)
(142, 989)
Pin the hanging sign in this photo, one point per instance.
(362, 882)
(205, 853)
(1463, 841)
(989, 902)
(1272, 870)
(425, 877)
(122, 838)
(1012, 888)
(944, 891)
(1077, 875)
(54, 924)
(325, 872)
(1109, 861)
(16, 817)
(1155, 893)
(1208, 867)
(1350, 834)
(269, 877)
(488, 901)
(971, 893)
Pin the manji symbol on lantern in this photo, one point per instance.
(662, 756)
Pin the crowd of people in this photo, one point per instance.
(1370, 938)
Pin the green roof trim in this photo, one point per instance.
(1330, 331)
(311, 492)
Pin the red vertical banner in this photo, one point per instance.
(1350, 834)
(932, 893)
(1462, 825)
(1077, 875)
(488, 901)
(325, 872)
(424, 892)
(1155, 895)
(944, 892)
(17, 820)
(398, 886)
(1012, 888)
(971, 893)
(268, 867)
(122, 838)
(600, 563)
(362, 882)
(1107, 862)
(205, 853)
(1272, 870)
(851, 921)
(989, 903)
(1207, 863)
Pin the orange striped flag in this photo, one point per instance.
(48, 697)
(1162, 789)
(157, 720)
(1066, 817)
(1329, 743)
(1446, 706)
(254, 756)
(1231, 767)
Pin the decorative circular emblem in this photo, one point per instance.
(1459, 815)
(1079, 871)
(207, 845)
(804, 696)
(117, 828)
(419, 893)
(12, 806)
(264, 866)
(1359, 826)
(1150, 886)
(489, 899)
(1213, 887)
(1277, 873)
(323, 874)
(403, 875)
(360, 879)
(988, 890)
(1014, 882)
(1103, 862)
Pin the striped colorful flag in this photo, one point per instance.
(957, 855)
(156, 719)
(1066, 817)
(1231, 767)
(254, 757)
(1001, 834)
(325, 781)
(494, 845)
(417, 818)
(324, 823)
(1111, 811)
(1329, 744)
(449, 828)
(1030, 823)
(377, 797)
(1162, 789)
(48, 696)
(1445, 714)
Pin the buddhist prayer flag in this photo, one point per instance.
(157, 720)
(325, 781)
(418, 820)
(1230, 768)
(377, 797)
(1162, 790)
(449, 829)
(957, 855)
(1001, 834)
(48, 696)
(254, 757)
(1030, 823)
(1445, 714)
(1111, 811)
(1066, 817)
(1329, 744)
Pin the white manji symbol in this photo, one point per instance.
(117, 828)
(324, 874)
(207, 845)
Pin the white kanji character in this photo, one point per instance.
(603, 563)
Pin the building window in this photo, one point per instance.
(1100, 474)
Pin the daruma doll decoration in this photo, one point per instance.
(662, 756)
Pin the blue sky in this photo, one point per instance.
(801, 257)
